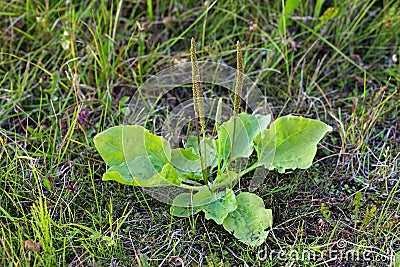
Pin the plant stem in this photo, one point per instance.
(199, 107)
(217, 125)
(247, 170)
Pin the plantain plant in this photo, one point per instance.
(207, 170)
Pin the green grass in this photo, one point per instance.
(60, 60)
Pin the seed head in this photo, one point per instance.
(197, 89)
(239, 79)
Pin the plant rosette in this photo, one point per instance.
(207, 169)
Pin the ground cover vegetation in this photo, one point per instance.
(68, 69)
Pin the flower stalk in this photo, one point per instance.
(238, 92)
(199, 107)
(239, 79)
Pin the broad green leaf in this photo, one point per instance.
(191, 176)
(199, 197)
(185, 204)
(216, 206)
(183, 200)
(167, 177)
(135, 156)
(141, 167)
(120, 174)
(250, 220)
(116, 176)
(211, 150)
(205, 196)
(227, 179)
(144, 167)
(109, 145)
(183, 212)
(247, 128)
(125, 143)
(219, 209)
(185, 160)
(290, 143)
(135, 173)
